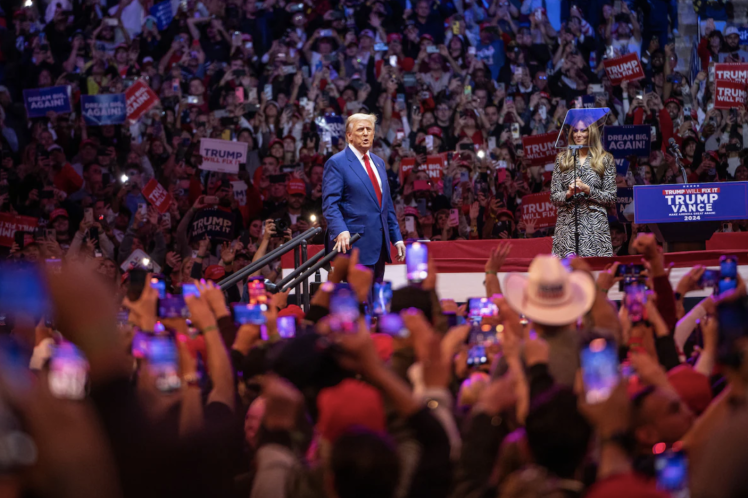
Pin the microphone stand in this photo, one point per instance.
(682, 169)
(675, 150)
(576, 198)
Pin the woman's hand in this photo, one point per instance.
(583, 187)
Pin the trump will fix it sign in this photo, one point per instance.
(625, 68)
(540, 149)
(729, 94)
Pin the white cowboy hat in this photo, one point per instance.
(550, 294)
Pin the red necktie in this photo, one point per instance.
(373, 178)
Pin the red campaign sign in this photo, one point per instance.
(540, 149)
(625, 68)
(737, 73)
(10, 224)
(435, 165)
(538, 207)
(406, 166)
(140, 98)
(157, 195)
(729, 94)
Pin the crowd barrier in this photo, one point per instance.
(460, 263)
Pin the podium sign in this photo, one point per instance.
(690, 202)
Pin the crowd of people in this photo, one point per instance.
(465, 80)
(108, 390)
(546, 389)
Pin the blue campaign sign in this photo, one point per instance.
(630, 140)
(163, 14)
(332, 124)
(743, 32)
(624, 197)
(40, 101)
(106, 109)
(697, 202)
(622, 166)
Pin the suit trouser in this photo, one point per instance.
(378, 269)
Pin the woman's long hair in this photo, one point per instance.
(596, 151)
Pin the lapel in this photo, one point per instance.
(359, 170)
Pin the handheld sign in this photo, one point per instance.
(104, 109)
(223, 156)
(729, 94)
(540, 149)
(625, 68)
(539, 207)
(10, 224)
(40, 101)
(140, 99)
(630, 140)
(737, 73)
(157, 195)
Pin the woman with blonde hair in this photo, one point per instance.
(592, 187)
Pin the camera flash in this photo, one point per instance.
(481, 154)
(123, 178)
(146, 261)
(312, 218)
(28, 3)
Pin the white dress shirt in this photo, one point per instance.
(360, 158)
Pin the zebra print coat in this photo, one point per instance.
(594, 230)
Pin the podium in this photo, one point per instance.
(684, 217)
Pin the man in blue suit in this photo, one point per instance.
(356, 199)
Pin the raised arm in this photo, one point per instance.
(218, 362)
(493, 267)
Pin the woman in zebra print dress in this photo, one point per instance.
(596, 180)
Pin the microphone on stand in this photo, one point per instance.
(673, 146)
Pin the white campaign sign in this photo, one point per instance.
(240, 192)
(223, 156)
(135, 260)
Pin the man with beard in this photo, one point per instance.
(294, 214)
(732, 51)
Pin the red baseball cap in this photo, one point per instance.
(435, 130)
(292, 310)
(275, 141)
(351, 403)
(296, 186)
(505, 212)
(394, 36)
(410, 211)
(383, 344)
(692, 387)
(214, 272)
(426, 36)
(57, 213)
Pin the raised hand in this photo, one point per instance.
(498, 257)
(360, 277)
(228, 253)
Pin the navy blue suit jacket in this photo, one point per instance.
(349, 203)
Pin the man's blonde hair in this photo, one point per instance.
(361, 116)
